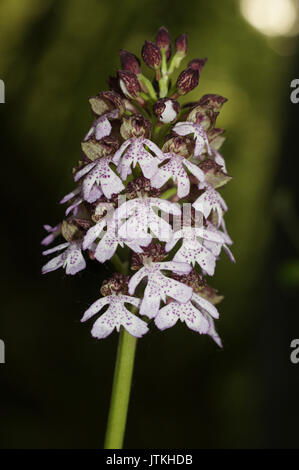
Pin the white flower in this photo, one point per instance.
(214, 246)
(101, 127)
(193, 249)
(133, 151)
(200, 136)
(174, 168)
(71, 259)
(212, 331)
(141, 218)
(100, 179)
(110, 240)
(159, 287)
(210, 200)
(195, 313)
(116, 316)
(53, 232)
(77, 200)
(219, 160)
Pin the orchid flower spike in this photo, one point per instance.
(145, 159)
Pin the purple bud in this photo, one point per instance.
(187, 80)
(181, 44)
(166, 110)
(129, 62)
(151, 55)
(214, 102)
(197, 64)
(106, 101)
(129, 83)
(163, 41)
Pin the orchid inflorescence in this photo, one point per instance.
(146, 199)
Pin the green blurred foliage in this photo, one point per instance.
(54, 55)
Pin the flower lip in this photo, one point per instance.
(166, 110)
(116, 315)
(159, 287)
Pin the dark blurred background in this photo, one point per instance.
(187, 393)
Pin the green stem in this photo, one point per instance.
(120, 391)
(124, 365)
(121, 266)
(123, 372)
(163, 82)
(168, 193)
(148, 85)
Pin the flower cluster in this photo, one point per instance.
(146, 198)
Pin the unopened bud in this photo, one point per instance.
(151, 55)
(187, 81)
(129, 83)
(166, 110)
(163, 41)
(197, 64)
(129, 62)
(105, 102)
(181, 44)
